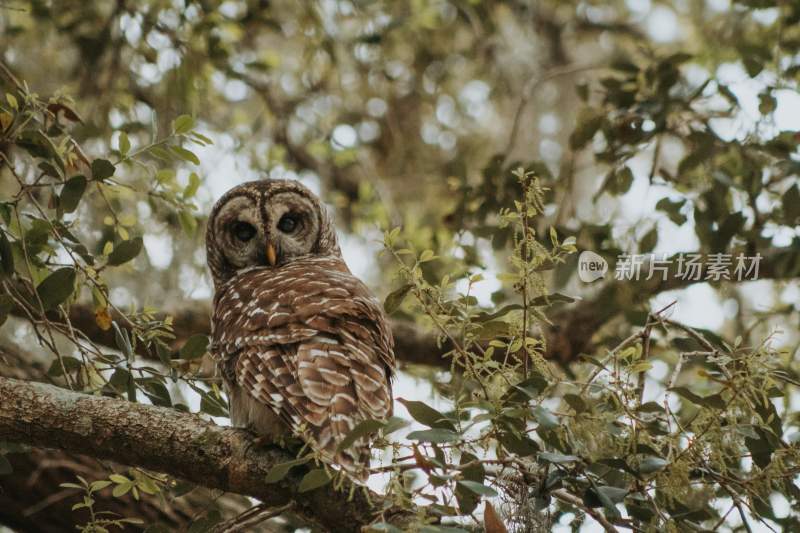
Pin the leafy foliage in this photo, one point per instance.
(487, 142)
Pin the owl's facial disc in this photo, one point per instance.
(266, 223)
(293, 222)
(240, 234)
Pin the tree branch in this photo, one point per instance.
(178, 444)
(30, 500)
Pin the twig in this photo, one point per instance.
(251, 517)
(574, 501)
(527, 92)
(10, 75)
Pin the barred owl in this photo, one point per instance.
(302, 345)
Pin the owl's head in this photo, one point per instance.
(266, 223)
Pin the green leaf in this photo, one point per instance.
(603, 494)
(158, 393)
(395, 298)
(364, 428)
(6, 306)
(120, 379)
(125, 251)
(122, 341)
(163, 353)
(545, 418)
(672, 209)
(124, 144)
(100, 484)
(70, 364)
(195, 347)
(427, 415)
(589, 121)
(122, 489)
(486, 317)
(393, 424)
(649, 241)
(6, 255)
(212, 405)
(478, 488)
(652, 464)
(620, 181)
(651, 407)
(468, 499)
(614, 494)
(437, 435)
(313, 480)
(188, 222)
(56, 288)
(576, 402)
(791, 205)
(529, 389)
(558, 458)
(714, 401)
(191, 188)
(72, 193)
(183, 124)
(102, 169)
(766, 103)
(186, 155)
(279, 471)
(519, 444)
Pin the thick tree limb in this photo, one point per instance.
(178, 444)
(30, 497)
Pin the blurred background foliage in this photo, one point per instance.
(652, 126)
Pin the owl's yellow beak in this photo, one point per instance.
(272, 257)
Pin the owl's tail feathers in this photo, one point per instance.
(353, 457)
(355, 463)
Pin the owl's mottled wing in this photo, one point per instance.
(309, 341)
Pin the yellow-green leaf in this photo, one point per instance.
(124, 143)
(314, 480)
(183, 124)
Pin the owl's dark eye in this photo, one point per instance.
(288, 223)
(243, 231)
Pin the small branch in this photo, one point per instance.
(576, 502)
(527, 92)
(251, 517)
(10, 75)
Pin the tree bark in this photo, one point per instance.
(175, 443)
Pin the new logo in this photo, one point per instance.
(591, 266)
